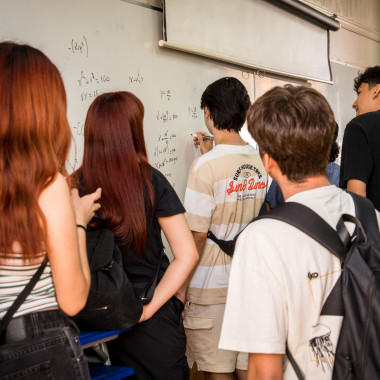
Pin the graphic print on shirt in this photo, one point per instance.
(322, 348)
(247, 178)
(322, 342)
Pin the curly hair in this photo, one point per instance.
(371, 75)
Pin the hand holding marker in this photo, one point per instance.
(206, 143)
(203, 136)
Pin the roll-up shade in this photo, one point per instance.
(250, 33)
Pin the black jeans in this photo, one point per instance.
(42, 345)
(154, 348)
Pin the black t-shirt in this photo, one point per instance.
(361, 154)
(142, 269)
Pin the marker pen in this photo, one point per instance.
(204, 137)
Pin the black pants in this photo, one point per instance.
(154, 348)
(42, 345)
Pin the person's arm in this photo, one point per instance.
(185, 254)
(200, 241)
(265, 367)
(358, 187)
(66, 244)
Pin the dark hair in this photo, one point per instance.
(371, 75)
(295, 126)
(334, 151)
(228, 101)
(115, 159)
(35, 139)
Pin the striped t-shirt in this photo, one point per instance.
(225, 190)
(15, 275)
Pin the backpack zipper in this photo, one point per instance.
(367, 325)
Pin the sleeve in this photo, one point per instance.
(199, 198)
(167, 202)
(255, 318)
(356, 160)
(274, 196)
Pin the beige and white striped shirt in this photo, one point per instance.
(225, 190)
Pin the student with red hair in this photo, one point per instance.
(38, 219)
(137, 202)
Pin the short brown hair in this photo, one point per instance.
(295, 126)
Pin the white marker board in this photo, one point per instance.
(111, 45)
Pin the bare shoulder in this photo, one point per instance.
(57, 191)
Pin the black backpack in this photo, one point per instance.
(111, 303)
(356, 294)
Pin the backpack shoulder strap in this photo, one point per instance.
(309, 222)
(227, 246)
(22, 296)
(365, 212)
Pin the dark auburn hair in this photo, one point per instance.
(228, 101)
(115, 159)
(295, 126)
(371, 75)
(35, 139)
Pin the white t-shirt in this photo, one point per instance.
(280, 279)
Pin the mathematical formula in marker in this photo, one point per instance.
(87, 82)
(165, 152)
(79, 128)
(92, 79)
(193, 112)
(136, 79)
(165, 116)
(165, 94)
(165, 162)
(89, 95)
(79, 46)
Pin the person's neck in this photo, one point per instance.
(290, 188)
(227, 138)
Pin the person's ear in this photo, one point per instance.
(267, 161)
(270, 165)
(376, 92)
(207, 112)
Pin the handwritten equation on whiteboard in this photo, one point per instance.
(79, 46)
(88, 83)
(165, 152)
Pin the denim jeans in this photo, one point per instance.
(42, 345)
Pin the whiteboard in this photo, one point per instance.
(111, 45)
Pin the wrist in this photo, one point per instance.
(82, 227)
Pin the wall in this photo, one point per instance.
(111, 45)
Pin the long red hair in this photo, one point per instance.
(115, 159)
(35, 139)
